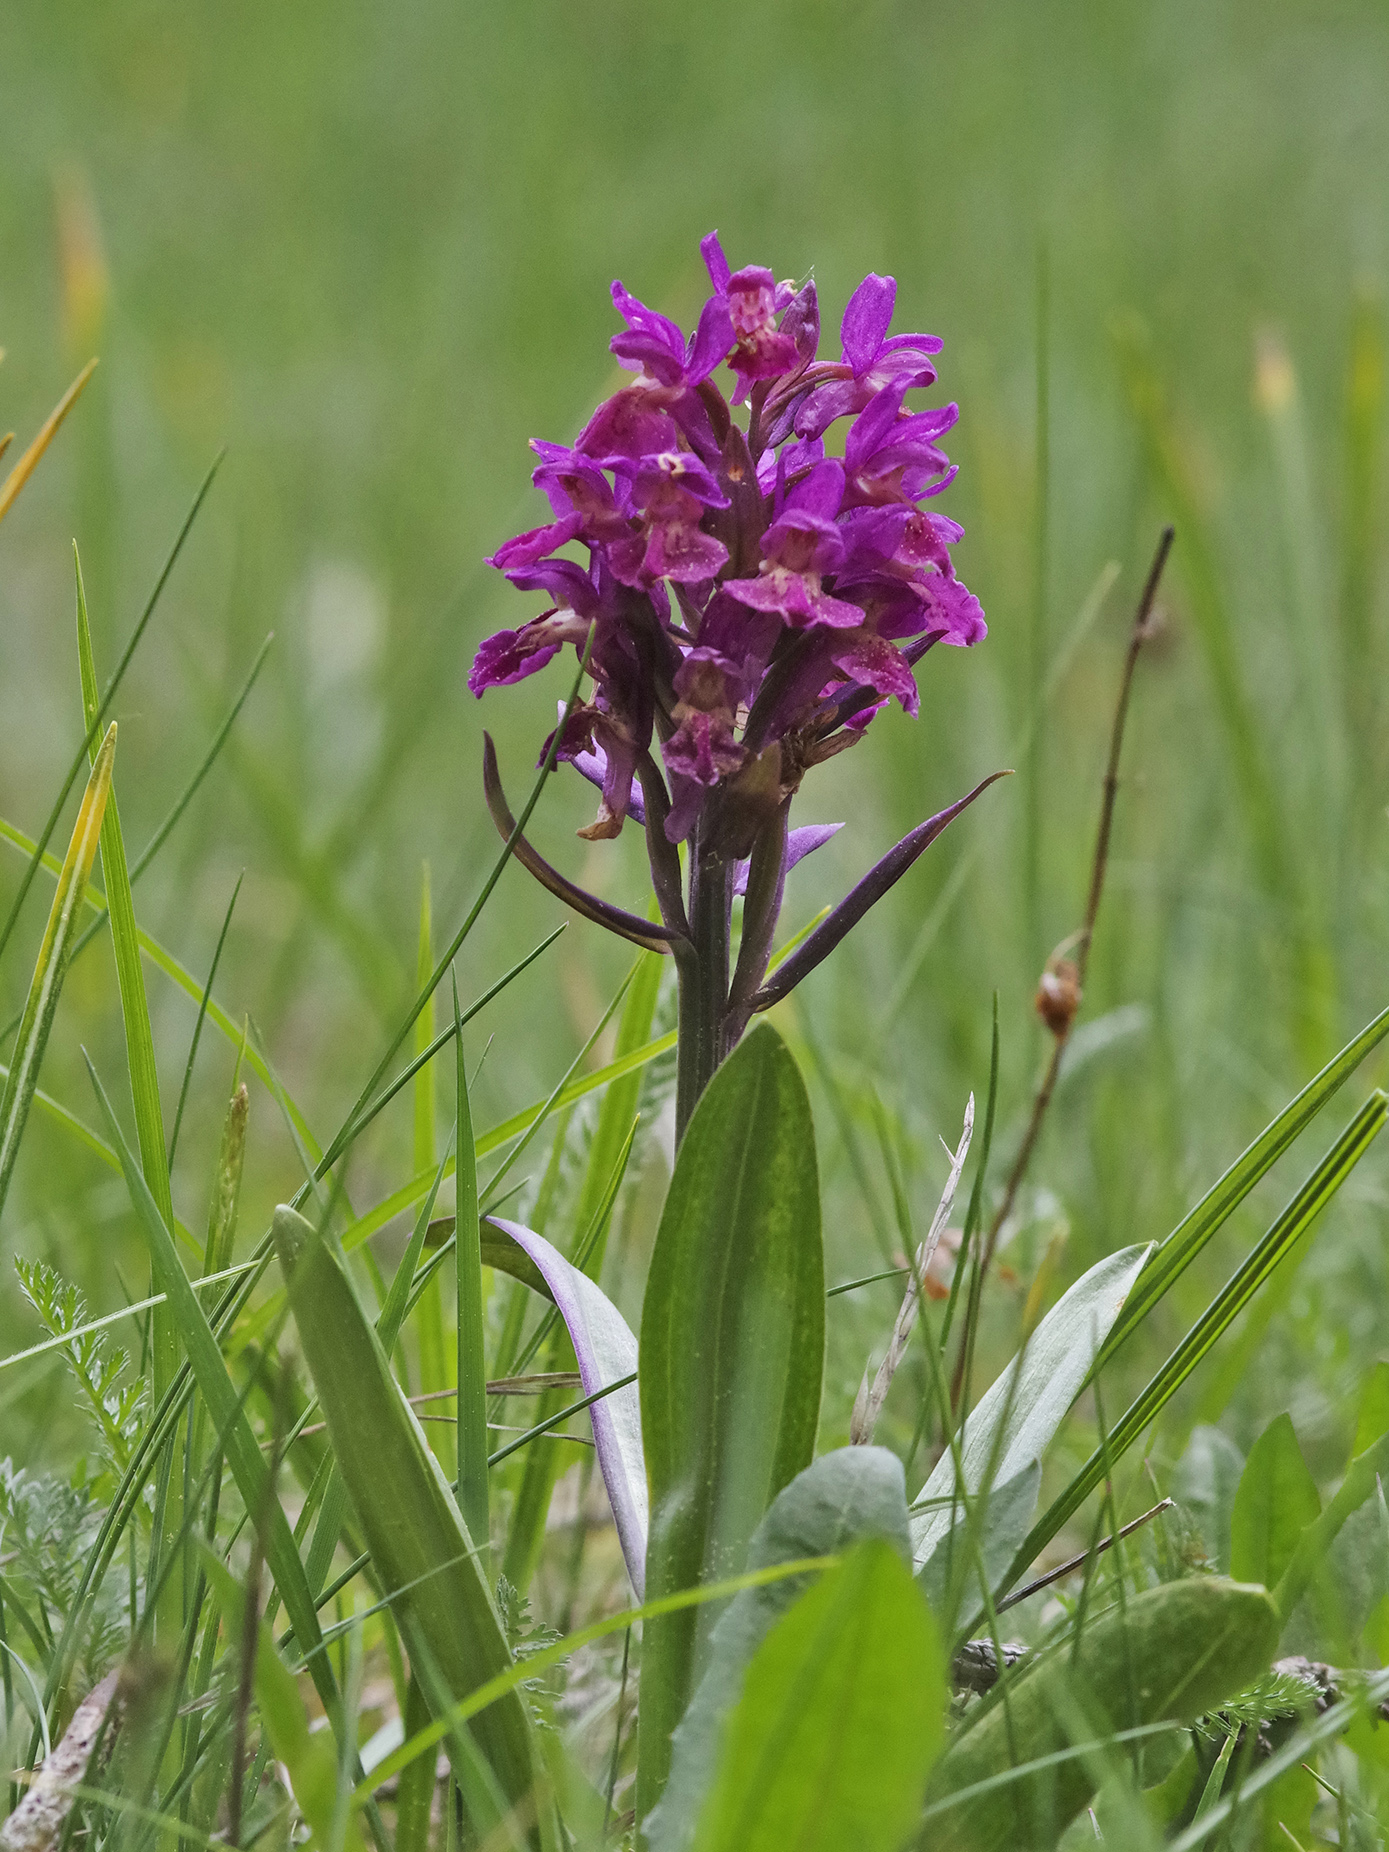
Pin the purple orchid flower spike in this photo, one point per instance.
(753, 604)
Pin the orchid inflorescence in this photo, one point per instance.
(749, 604)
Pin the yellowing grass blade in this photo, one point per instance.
(63, 919)
(139, 1042)
(29, 462)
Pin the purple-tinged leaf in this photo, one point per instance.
(625, 925)
(606, 1351)
(799, 843)
(859, 899)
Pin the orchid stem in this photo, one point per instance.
(703, 975)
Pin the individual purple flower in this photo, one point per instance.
(670, 493)
(871, 358)
(803, 545)
(754, 299)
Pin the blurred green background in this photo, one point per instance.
(367, 249)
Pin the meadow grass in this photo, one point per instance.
(370, 260)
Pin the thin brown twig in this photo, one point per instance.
(1138, 636)
(1073, 1563)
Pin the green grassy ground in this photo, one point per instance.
(368, 251)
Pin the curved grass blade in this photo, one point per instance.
(1280, 1240)
(732, 1355)
(202, 1017)
(468, 1263)
(47, 982)
(189, 791)
(522, 1669)
(139, 1040)
(165, 961)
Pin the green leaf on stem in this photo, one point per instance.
(732, 1356)
(839, 1500)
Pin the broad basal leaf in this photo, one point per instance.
(732, 1356)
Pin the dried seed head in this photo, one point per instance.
(1058, 995)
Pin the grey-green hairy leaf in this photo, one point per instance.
(1016, 1419)
(732, 1356)
(1170, 1653)
(839, 1500)
(841, 1717)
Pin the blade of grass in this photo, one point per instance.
(35, 850)
(22, 1078)
(472, 1360)
(224, 1406)
(139, 1039)
(1176, 1253)
(434, 1364)
(533, 1663)
(165, 961)
(1280, 1240)
(202, 1017)
(186, 796)
(31, 458)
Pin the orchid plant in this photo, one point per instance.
(748, 604)
(820, 1661)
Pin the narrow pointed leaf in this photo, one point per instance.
(841, 1716)
(879, 879)
(1176, 1253)
(1276, 1501)
(606, 1352)
(51, 967)
(1267, 1254)
(30, 460)
(425, 1558)
(626, 925)
(732, 1355)
(472, 1360)
(1016, 1420)
(838, 1501)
